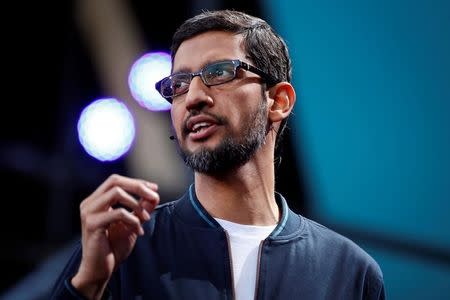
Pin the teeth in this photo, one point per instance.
(198, 126)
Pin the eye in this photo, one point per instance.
(180, 84)
(222, 71)
(179, 87)
(219, 73)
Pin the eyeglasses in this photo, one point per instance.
(212, 74)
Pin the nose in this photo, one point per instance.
(198, 95)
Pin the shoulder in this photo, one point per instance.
(332, 244)
(323, 236)
(341, 255)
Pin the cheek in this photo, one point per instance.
(232, 106)
(240, 116)
(177, 118)
(243, 102)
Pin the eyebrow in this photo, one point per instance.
(182, 70)
(208, 62)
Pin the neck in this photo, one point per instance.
(245, 195)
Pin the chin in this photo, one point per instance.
(209, 144)
(199, 148)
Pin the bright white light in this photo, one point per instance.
(106, 129)
(144, 73)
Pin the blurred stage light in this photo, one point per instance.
(106, 129)
(145, 72)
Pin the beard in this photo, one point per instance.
(232, 152)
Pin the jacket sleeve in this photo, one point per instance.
(62, 288)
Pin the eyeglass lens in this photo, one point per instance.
(211, 75)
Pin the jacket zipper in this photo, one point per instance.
(233, 294)
(258, 263)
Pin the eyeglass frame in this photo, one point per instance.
(269, 79)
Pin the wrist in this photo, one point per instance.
(90, 289)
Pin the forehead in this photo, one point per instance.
(207, 47)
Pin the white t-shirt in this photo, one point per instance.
(245, 241)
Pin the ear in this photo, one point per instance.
(283, 99)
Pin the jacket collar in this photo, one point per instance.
(190, 211)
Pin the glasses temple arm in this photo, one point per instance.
(268, 78)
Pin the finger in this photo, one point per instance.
(102, 220)
(153, 186)
(112, 197)
(149, 204)
(151, 197)
(117, 195)
(139, 187)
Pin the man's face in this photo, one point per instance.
(218, 127)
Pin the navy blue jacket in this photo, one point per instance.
(184, 254)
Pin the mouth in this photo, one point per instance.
(201, 127)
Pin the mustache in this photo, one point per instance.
(218, 119)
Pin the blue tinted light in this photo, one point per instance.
(106, 129)
(145, 72)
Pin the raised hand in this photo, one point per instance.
(111, 221)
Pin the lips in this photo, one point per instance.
(201, 127)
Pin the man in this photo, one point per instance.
(231, 236)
